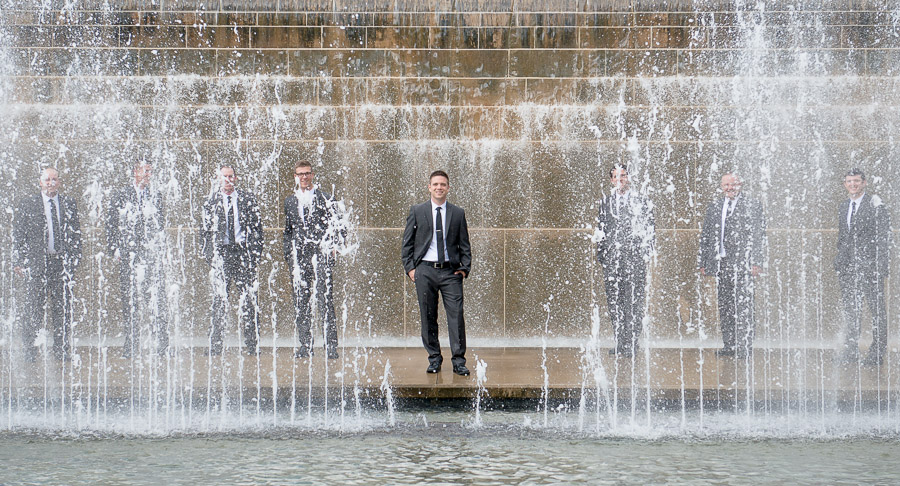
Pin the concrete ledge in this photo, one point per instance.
(663, 375)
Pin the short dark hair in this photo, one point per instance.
(302, 163)
(617, 166)
(855, 172)
(439, 173)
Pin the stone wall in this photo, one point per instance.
(525, 108)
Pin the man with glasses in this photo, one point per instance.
(232, 241)
(312, 236)
(733, 249)
(47, 235)
(862, 262)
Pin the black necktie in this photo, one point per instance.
(229, 222)
(852, 212)
(54, 227)
(439, 230)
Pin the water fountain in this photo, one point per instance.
(526, 108)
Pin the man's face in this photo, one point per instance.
(304, 178)
(227, 179)
(731, 185)
(142, 174)
(619, 179)
(855, 185)
(438, 186)
(49, 182)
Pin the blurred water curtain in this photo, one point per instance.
(527, 105)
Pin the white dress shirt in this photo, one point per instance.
(51, 238)
(432, 254)
(238, 235)
(727, 209)
(858, 201)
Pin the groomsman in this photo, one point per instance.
(733, 249)
(862, 264)
(437, 256)
(136, 239)
(311, 237)
(625, 232)
(231, 241)
(47, 237)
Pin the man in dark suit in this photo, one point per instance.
(437, 256)
(47, 237)
(733, 249)
(625, 232)
(136, 238)
(862, 263)
(231, 241)
(313, 232)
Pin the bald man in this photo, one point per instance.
(47, 237)
(733, 249)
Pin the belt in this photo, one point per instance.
(436, 264)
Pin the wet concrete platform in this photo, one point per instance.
(665, 374)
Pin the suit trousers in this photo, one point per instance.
(142, 288)
(47, 289)
(237, 277)
(429, 282)
(734, 285)
(625, 297)
(315, 280)
(855, 288)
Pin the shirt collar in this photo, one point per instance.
(858, 199)
(442, 206)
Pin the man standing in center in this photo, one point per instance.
(625, 232)
(733, 249)
(232, 241)
(437, 256)
(310, 245)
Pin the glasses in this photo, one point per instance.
(303, 174)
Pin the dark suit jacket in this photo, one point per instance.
(420, 229)
(626, 237)
(745, 234)
(864, 246)
(212, 232)
(127, 230)
(30, 233)
(316, 234)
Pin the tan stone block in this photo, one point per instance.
(248, 62)
(606, 38)
(561, 283)
(343, 37)
(549, 91)
(489, 92)
(681, 302)
(546, 63)
(286, 37)
(555, 37)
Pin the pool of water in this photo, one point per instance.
(455, 447)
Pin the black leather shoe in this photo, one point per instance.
(725, 352)
(613, 351)
(433, 368)
(302, 353)
(332, 354)
(461, 370)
